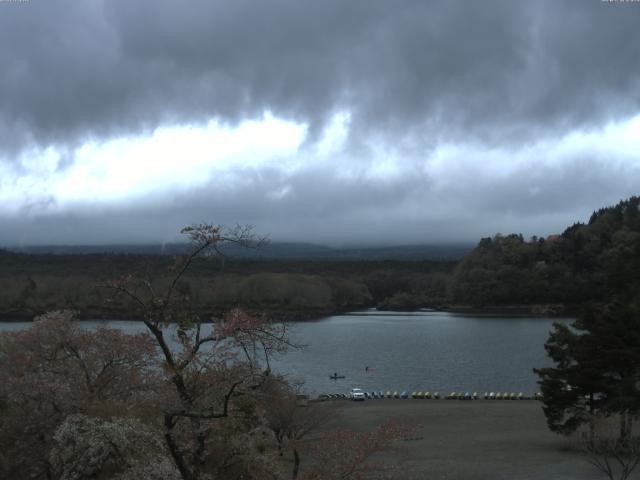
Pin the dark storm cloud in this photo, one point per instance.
(496, 71)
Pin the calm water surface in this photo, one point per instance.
(432, 351)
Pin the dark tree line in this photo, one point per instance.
(587, 262)
(596, 377)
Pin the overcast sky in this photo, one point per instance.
(377, 122)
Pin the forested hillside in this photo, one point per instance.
(592, 261)
(586, 262)
(31, 284)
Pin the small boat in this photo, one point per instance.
(336, 377)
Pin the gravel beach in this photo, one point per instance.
(479, 439)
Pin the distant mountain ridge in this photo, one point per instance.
(272, 250)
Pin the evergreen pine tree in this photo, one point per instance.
(597, 367)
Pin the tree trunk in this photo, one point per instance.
(176, 454)
(592, 420)
(296, 463)
(280, 440)
(624, 434)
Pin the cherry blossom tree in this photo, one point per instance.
(56, 368)
(212, 365)
(347, 454)
(198, 391)
(116, 448)
(291, 420)
(615, 456)
(285, 417)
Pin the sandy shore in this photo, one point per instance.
(471, 440)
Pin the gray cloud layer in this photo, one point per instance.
(413, 74)
(498, 70)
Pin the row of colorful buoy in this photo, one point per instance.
(332, 395)
(462, 396)
(436, 395)
(504, 396)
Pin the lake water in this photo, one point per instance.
(422, 351)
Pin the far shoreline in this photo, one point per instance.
(535, 310)
(542, 311)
